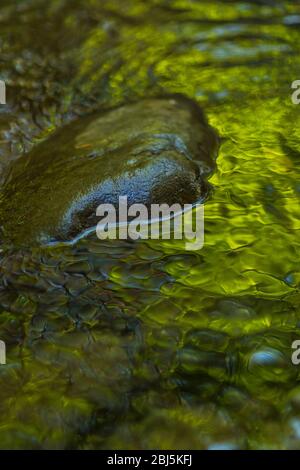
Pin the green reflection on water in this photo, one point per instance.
(144, 345)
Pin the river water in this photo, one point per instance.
(143, 345)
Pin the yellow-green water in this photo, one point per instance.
(143, 345)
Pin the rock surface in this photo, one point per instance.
(154, 151)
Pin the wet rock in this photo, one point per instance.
(153, 151)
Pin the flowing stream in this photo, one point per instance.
(143, 345)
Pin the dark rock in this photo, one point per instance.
(153, 151)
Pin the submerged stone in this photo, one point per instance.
(154, 151)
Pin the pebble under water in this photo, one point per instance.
(143, 345)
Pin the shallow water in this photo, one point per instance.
(143, 345)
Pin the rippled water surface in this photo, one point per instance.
(144, 345)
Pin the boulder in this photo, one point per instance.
(157, 150)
